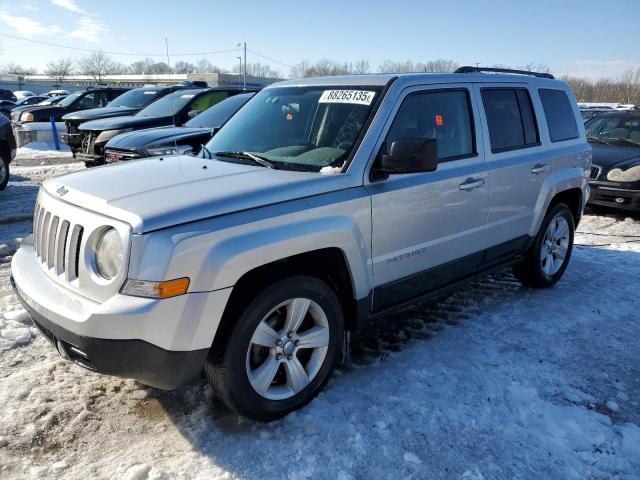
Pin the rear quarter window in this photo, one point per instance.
(559, 114)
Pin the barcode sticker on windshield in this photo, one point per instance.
(150, 92)
(187, 96)
(360, 97)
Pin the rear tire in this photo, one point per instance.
(4, 171)
(279, 351)
(548, 257)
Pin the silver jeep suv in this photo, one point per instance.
(321, 203)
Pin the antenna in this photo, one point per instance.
(173, 109)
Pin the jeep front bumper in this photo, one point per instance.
(161, 343)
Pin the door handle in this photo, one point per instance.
(471, 183)
(540, 168)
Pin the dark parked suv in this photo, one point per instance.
(171, 140)
(172, 109)
(615, 171)
(129, 103)
(94, 97)
(7, 150)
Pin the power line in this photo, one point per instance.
(141, 54)
(269, 58)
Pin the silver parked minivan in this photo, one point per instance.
(321, 203)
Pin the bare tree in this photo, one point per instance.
(59, 69)
(16, 69)
(141, 67)
(624, 90)
(184, 67)
(360, 67)
(535, 67)
(298, 70)
(96, 65)
(260, 70)
(432, 66)
(205, 66)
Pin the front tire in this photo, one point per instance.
(4, 172)
(548, 257)
(280, 350)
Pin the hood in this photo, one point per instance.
(40, 108)
(118, 123)
(611, 156)
(151, 194)
(154, 137)
(104, 112)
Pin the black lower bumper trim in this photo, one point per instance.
(615, 198)
(137, 359)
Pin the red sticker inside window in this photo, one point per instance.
(289, 116)
(439, 120)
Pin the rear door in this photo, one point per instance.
(428, 229)
(517, 163)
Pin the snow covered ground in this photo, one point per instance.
(496, 382)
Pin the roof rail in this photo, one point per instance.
(468, 69)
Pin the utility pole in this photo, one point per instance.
(244, 77)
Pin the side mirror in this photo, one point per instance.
(410, 155)
(193, 113)
(184, 149)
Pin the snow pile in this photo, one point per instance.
(43, 150)
(17, 200)
(496, 381)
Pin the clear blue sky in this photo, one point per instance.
(590, 38)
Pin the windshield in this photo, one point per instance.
(217, 115)
(298, 128)
(168, 105)
(621, 129)
(69, 100)
(136, 98)
(29, 100)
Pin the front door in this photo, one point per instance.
(428, 229)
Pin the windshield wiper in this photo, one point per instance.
(624, 140)
(596, 139)
(263, 162)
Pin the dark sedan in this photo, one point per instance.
(174, 109)
(7, 107)
(80, 100)
(615, 171)
(7, 95)
(172, 140)
(128, 103)
(7, 150)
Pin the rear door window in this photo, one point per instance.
(559, 113)
(442, 115)
(511, 119)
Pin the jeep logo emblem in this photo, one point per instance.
(62, 191)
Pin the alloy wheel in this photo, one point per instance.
(287, 349)
(555, 246)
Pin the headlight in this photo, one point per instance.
(158, 152)
(109, 134)
(169, 150)
(26, 117)
(109, 254)
(630, 175)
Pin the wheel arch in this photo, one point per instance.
(328, 264)
(573, 198)
(567, 186)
